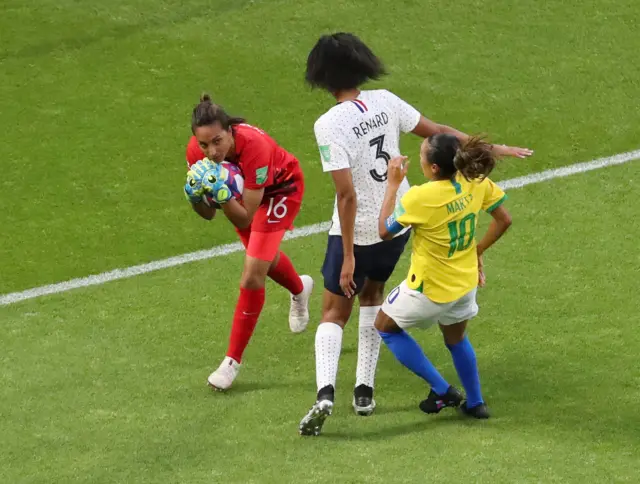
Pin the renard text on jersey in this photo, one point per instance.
(373, 122)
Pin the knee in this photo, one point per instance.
(379, 324)
(335, 316)
(452, 334)
(252, 280)
(452, 340)
(336, 309)
(385, 324)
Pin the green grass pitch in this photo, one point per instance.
(106, 384)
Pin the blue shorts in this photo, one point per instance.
(375, 262)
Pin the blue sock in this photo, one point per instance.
(464, 359)
(408, 352)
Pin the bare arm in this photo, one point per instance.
(388, 205)
(241, 215)
(347, 207)
(397, 170)
(499, 225)
(204, 210)
(426, 128)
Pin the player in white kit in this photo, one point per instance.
(357, 138)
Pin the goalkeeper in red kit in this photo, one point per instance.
(273, 191)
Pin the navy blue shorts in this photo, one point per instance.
(375, 262)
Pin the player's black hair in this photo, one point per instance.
(342, 61)
(473, 158)
(207, 112)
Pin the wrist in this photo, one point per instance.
(393, 187)
(498, 149)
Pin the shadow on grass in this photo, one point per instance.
(384, 432)
(246, 387)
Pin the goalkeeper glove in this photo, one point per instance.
(221, 196)
(193, 189)
(213, 178)
(203, 167)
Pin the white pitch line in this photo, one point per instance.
(570, 170)
(221, 250)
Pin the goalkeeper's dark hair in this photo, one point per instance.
(342, 61)
(474, 158)
(207, 112)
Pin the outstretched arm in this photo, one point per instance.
(426, 128)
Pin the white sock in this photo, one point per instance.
(328, 346)
(368, 346)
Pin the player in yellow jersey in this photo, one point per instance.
(446, 262)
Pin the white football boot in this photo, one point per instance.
(299, 310)
(223, 377)
(312, 422)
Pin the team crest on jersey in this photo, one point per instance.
(325, 152)
(261, 175)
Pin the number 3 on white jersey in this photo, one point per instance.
(278, 210)
(378, 142)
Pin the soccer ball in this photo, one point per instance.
(233, 178)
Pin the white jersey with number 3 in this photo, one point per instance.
(363, 135)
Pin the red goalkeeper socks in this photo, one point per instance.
(250, 303)
(285, 274)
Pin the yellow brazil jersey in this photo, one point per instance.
(444, 216)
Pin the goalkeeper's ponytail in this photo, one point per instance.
(207, 112)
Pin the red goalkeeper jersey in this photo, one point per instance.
(264, 163)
